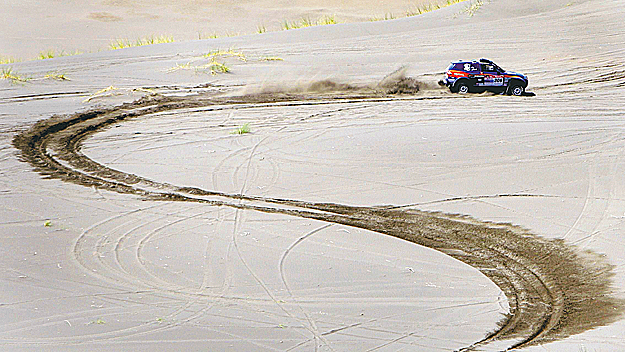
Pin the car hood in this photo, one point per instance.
(516, 74)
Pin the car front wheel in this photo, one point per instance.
(517, 90)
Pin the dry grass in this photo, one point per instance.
(179, 67)
(307, 22)
(154, 39)
(326, 20)
(225, 53)
(8, 60)
(473, 7)
(14, 77)
(213, 67)
(112, 91)
(202, 36)
(101, 93)
(56, 76)
(387, 16)
(270, 58)
(9, 74)
(51, 54)
(417, 10)
(421, 9)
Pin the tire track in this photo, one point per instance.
(554, 291)
(310, 320)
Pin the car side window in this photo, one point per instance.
(471, 67)
(488, 68)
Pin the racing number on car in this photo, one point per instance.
(467, 67)
(497, 81)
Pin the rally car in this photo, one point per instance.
(478, 76)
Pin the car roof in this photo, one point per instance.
(463, 62)
(476, 61)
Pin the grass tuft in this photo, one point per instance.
(14, 77)
(387, 16)
(243, 129)
(261, 29)
(473, 7)
(179, 67)
(271, 58)
(307, 22)
(201, 36)
(226, 53)
(153, 39)
(287, 26)
(120, 44)
(101, 93)
(326, 20)
(421, 9)
(56, 76)
(50, 54)
(213, 67)
(8, 60)
(217, 67)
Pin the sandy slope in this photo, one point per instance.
(114, 271)
(33, 26)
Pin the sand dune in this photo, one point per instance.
(353, 216)
(88, 26)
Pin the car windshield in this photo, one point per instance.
(497, 68)
(489, 68)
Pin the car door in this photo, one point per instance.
(492, 78)
(473, 69)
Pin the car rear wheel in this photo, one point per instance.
(462, 88)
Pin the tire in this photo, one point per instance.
(462, 87)
(516, 89)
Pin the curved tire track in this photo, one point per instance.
(554, 291)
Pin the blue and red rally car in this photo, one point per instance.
(478, 76)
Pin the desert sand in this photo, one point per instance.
(135, 218)
(30, 27)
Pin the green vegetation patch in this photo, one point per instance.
(225, 53)
(307, 22)
(243, 129)
(425, 8)
(56, 76)
(8, 74)
(8, 60)
(153, 39)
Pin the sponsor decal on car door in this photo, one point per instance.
(493, 80)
